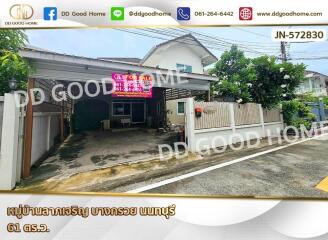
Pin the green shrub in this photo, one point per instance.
(297, 122)
(289, 111)
(325, 101)
(308, 97)
(296, 113)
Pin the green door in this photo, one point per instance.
(89, 114)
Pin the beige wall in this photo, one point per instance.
(172, 115)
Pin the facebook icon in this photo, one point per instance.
(50, 13)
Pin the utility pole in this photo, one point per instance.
(283, 52)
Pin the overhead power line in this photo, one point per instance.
(209, 41)
(223, 44)
(254, 33)
(247, 43)
(310, 58)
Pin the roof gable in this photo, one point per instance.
(206, 56)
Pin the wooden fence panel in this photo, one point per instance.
(246, 114)
(272, 115)
(214, 115)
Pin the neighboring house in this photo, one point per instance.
(316, 83)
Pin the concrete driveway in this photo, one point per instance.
(290, 172)
(94, 150)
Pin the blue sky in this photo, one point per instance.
(115, 43)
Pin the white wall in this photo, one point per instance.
(45, 129)
(9, 142)
(1, 114)
(173, 54)
(220, 137)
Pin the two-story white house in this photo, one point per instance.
(184, 58)
(316, 83)
(184, 54)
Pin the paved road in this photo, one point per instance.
(290, 172)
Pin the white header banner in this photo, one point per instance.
(73, 13)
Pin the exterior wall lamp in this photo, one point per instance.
(12, 84)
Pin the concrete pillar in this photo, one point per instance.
(20, 148)
(9, 142)
(232, 117)
(49, 132)
(190, 124)
(262, 120)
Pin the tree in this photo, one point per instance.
(12, 65)
(235, 73)
(274, 81)
(261, 80)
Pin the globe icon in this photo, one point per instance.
(245, 14)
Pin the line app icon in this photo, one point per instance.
(117, 13)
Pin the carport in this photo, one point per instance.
(93, 150)
(62, 68)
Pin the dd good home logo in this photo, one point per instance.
(21, 11)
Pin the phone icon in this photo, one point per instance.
(183, 13)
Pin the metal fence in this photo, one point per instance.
(318, 109)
